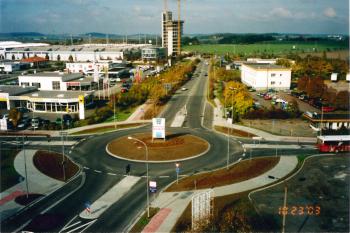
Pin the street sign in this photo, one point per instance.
(158, 128)
(153, 186)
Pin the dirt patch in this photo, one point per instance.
(242, 171)
(50, 163)
(234, 132)
(23, 200)
(175, 147)
(106, 129)
(288, 127)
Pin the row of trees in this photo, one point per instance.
(315, 87)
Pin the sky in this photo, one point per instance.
(201, 16)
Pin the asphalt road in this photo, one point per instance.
(91, 155)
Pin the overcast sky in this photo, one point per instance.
(201, 16)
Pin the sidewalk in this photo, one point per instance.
(220, 121)
(38, 183)
(174, 203)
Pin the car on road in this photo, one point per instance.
(23, 124)
(184, 89)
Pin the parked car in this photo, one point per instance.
(35, 123)
(184, 89)
(327, 108)
(23, 124)
(267, 97)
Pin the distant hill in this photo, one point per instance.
(101, 35)
(21, 34)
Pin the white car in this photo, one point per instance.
(184, 89)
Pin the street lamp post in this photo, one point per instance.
(25, 166)
(228, 130)
(147, 183)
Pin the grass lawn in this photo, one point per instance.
(121, 115)
(105, 129)
(143, 221)
(51, 165)
(242, 171)
(276, 48)
(9, 176)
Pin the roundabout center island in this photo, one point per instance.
(176, 147)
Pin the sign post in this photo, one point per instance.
(153, 186)
(158, 128)
(177, 165)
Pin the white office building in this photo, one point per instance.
(266, 76)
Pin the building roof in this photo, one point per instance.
(58, 94)
(34, 59)
(14, 90)
(329, 117)
(263, 66)
(65, 76)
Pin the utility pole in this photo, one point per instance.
(25, 165)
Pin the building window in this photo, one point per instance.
(272, 82)
(273, 75)
(36, 85)
(25, 84)
(280, 75)
(56, 85)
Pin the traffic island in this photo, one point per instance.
(176, 147)
(50, 164)
(245, 170)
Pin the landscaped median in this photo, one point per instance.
(176, 147)
(106, 129)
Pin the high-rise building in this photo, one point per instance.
(170, 33)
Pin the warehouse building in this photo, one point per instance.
(262, 76)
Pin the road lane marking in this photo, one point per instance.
(245, 150)
(98, 171)
(164, 176)
(112, 174)
(86, 168)
(81, 226)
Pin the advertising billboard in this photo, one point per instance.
(158, 128)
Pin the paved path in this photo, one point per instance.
(179, 118)
(176, 202)
(220, 121)
(110, 197)
(38, 183)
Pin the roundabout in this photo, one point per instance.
(176, 147)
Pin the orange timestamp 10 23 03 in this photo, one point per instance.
(313, 210)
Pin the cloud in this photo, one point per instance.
(281, 12)
(330, 12)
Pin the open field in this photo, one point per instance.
(276, 48)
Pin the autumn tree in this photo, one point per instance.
(237, 96)
(315, 87)
(302, 83)
(283, 62)
(70, 58)
(342, 100)
(15, 116)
